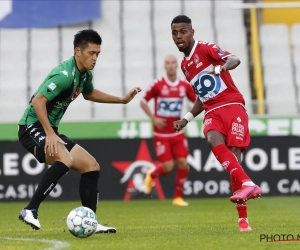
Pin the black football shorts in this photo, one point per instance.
(32, 137)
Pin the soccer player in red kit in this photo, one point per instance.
(206, 67)
(168, 93)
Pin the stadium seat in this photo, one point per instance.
(277, 69)
(273, 54)
(226, 17)
(138, 49)
(164, 44)
(295, 31)
(108, 73)
(201, 14)
(278, 74)
(296, 56)
(13, 74)
(274, 34)
(281, 99)
(43, 57)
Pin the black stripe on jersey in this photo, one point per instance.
(63, 96)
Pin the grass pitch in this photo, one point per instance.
(205, 224)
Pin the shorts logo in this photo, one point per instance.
(29, 126)
(36, 134)
(42, 138)
(207, 122)
(32, 130)
(52, 86)
(237, 129)
(160, 149)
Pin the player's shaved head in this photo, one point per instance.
(171, 66)
(170, 58)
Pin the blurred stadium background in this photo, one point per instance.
(136, 38)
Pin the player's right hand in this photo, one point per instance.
(178, 125)
(51, 142)
(160, 123)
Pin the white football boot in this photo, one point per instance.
(30, 217)
(102, 229)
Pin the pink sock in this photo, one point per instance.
(180, 178)
(230, 163)
(159, 171)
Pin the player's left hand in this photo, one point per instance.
(180, 124)
(130, 95)
(217, 70)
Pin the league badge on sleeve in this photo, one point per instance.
(51, 86)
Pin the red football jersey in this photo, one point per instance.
(168, 97)
(213, 91)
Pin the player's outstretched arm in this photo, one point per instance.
(99, 96)
(196, 110)
(231, 63)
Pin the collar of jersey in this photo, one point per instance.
(77, 67)
(192, 51)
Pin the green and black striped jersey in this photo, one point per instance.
(62, 86)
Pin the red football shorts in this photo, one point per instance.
(232, 122)
(167, 148)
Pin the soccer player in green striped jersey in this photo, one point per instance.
(38, 127)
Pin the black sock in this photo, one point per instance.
(88, 189)
(47, 183)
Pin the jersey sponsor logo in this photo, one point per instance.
(221, 52)
(196, 59)
(207, 86)
(165, 90)
(52, 86)
(65, 73)
(182, 91)
(199, 65)
(169, 107)
(207, 122)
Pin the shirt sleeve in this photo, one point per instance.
(214, 52)
(150, 93)
(190, 93)
(54, 86)
(88, 86)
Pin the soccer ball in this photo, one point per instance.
(82, 222)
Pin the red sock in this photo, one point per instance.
(180, 178)
(230, 163)
(159, 171)
(241, 208)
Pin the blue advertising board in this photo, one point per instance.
(47, 13)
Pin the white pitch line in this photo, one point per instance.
(56, 243)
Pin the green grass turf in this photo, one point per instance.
(205, 224)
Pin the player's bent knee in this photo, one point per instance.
(182, 164)
(96, 167)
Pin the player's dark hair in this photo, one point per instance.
(181, 19)
(83, 37)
